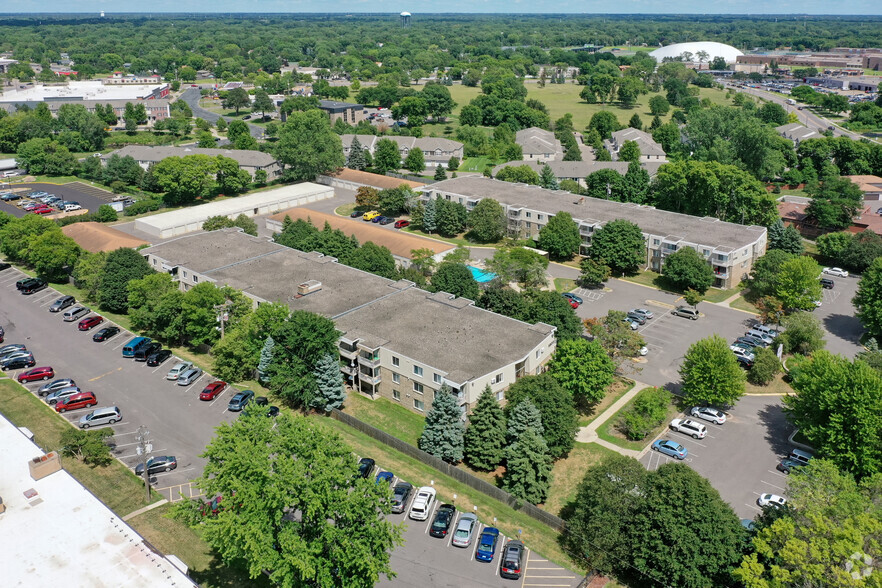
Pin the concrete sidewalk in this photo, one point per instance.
(589, 434)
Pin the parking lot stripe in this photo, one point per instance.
(135, 455)
(431, 516)
(773, 485)
(119, 369)
(453, 526)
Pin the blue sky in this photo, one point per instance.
(843, 7)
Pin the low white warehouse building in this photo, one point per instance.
(187, 220)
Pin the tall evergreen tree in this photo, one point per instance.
(443, 432)
(485, 436)
(356, 158)
(266, 354)
(440, 174)
(329, 380)
(547, 179)
(430, 219)
(524, 416)
(636, 122)
(528, 468)
(656, 123)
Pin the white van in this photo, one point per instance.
(101, 416)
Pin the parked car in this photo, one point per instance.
(56, 385)
(35, 374)
(101, 416)
(685, 312)
(355, 214)
(75, 313)
(159, 463)
(689, 427)
(742, 352)
(105, 334)
(744, 362)
(787, 464)
(634, 326)
(400, 495)
(15, 354)
(827, 283)
(62, 303)
(41, 210)
(636, 317)
(189, 376)
(61, 394)
(487, 544)
(647, 314)
(178, 369)
(18, 362)
(465, 530)
(33, 285)
(365, 467)
(670, 448)
(75, 401)
(752, 341)
(240, 400)
(387, 220)
(422, 504)
(385, 477)
(146, 350)
(512, 559)
(401, 224)
(443, 519)
(771, 501)
(378, 219)
(835, 271)
(4, 266)
(212, 391)
(158, 357)
(573, 303)
(10, 196)
(709, 414)
(72, 206)
(90, 322)
(10, 347)
(573, 297)
(371, 215)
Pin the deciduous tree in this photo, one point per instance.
(307, 146)
(584, 368)
(803, 333)
(797, 285)
(710, 373)
(687, 269)
(456, 279)
(593, 274)
(386, 156)
(122, 266)
(560, 236)
(619, 245)
(560, 419)
(868, 300)
(487, 221)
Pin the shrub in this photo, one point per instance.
(765, 367)
(648, 409)
(143, 206)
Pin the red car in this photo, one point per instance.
(401, 224)
(573, 303)
(43, 210)
(212, 390)
(75, 401)
(90, 322)
(37, 373)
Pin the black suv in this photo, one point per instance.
(827, 283)
(365, 467)
(158, 357)
(443, 519)
(146, 350)
(510, 564)
(30, 285)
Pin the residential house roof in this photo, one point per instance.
(867, 183)
(538, 141)
(244, 157)
(698, 230)
(369, 179)
(644, 140)
(797, 132)
(579, 169)
(95, 237)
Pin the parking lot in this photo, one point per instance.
(182, 425)
(90, 201)
(179, 423)
(424, 560)
(739, 456)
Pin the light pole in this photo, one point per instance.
(145, 447)
(223, 314)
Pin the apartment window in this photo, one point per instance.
(500, 395)
(396, 378)
(539, 217)
(437, 378)
(655, 241)
(396, 394)
(154, 262)
(417, 370)
(537, 354)
(417, 387)
(707, 252)
(195, 278)
(496, 379)
(418, 404)
(185, 274)
(529, 214)
(395, 361)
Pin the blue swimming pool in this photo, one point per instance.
(480, 275)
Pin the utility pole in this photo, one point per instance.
(145, 448)
(223, 314)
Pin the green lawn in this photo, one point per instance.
(656, 280)
(474, 164)
(615, 391)
(741, 303)
(460, 240)
(387, 416)
(608, 432)
(568, 473)
(537, 536)
(115, 485)
(564, 284)
(776, 386)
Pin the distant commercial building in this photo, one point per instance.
(187, 220)
(351, 114)
(248, 159)
(397, 341)
(729, 248)
(539, 145)
(703, 51)
(436, 150)
(5, 64)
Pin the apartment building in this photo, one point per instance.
(249, 160)
(397, 341)
(436, 150)
(650, 151)
(539, 145)
(731, 249)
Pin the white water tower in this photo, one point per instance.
(405, 19)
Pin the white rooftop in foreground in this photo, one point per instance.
(86, 90)
(63, 535)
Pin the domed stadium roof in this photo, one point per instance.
(712, 48)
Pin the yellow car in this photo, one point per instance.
(370, 215)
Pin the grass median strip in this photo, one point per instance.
(537, 536)
(608, 431)
(114, 485)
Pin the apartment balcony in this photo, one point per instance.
(721, 272)
(347, 352)
(349, 370)
(369, 359)
(370, 377)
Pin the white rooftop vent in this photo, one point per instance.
(309, 287)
